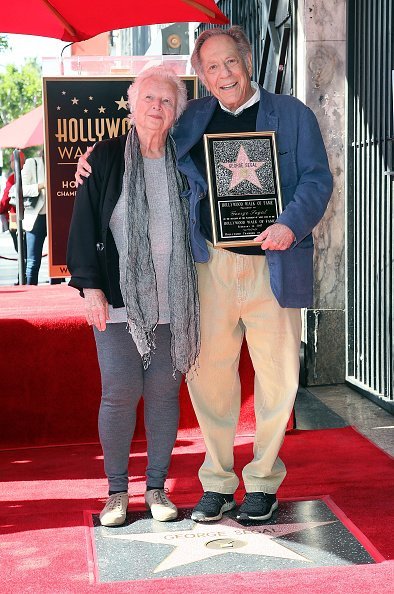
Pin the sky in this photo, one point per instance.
(30, 46)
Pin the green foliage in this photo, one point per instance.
(20, 92)
(3, 43)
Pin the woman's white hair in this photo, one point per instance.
(163, 73)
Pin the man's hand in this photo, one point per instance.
(96, 308)
(83, 167)
(276, 237)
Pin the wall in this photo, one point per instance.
(96, 46)
(321, 52)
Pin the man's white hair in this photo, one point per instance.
(235, 33)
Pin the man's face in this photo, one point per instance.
(225, 74)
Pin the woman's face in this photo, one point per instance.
(155, 108)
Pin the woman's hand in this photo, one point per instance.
(276, 237)
(96, 308)
(83, 167)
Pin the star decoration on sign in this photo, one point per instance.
(63, 92)
(85, 110)
(102, 109)
(122, 103)
(226, 536)
(90, 98)
(58, 108)
(243, 169)
(74, 101)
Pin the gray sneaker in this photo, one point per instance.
(115, 509)
(162, 509)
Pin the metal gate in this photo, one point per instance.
(370, 199)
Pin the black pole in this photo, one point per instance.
(20, 211)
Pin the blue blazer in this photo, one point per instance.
(306, 184)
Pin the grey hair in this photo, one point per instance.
(235, 33)
(164, 73)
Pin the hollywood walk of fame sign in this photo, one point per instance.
(243, 185)
(79, 111)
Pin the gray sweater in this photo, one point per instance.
(160, 231)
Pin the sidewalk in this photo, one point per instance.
(9, 262)
(327, 407)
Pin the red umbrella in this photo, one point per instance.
(26, 131)
(76, 20)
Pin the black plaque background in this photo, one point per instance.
(218, 239)
(58, 95)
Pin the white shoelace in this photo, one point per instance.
(160, 498)
(115, 503)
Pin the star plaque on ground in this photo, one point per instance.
(302, 534)
(243, 185)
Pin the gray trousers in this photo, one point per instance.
(124, 382)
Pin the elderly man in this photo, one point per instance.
(253, 292)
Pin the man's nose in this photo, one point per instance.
(225, 70)
(157, 104)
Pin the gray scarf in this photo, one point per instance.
(137, 274)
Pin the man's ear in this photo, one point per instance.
(204, 82)
(249, 64)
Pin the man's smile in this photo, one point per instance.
(229, 87)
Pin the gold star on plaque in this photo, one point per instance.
(101, 109)
(122, 103)
(243, 169)
(74, 101)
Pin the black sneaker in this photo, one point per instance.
(257, 506)
(211, 506)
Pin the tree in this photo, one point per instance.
(20, 92)
(3, 43)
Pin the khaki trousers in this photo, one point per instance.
(236, 301)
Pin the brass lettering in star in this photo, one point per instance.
(243, 169)
(227, 536)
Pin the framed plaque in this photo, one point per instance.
(243, 186)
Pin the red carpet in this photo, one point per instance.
(45, 490)
(50, 382)
(50, 392)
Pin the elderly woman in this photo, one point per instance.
(129, 255)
